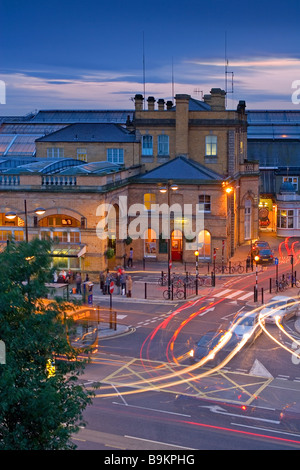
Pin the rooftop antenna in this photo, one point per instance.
(144, 74)
(173, 87)
(226, 71)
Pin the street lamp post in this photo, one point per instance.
(166, 189)
(12, 215)
(256, 259)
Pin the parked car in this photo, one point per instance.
(215, 346)
(280, 305)
(262, 255)
(246, 326)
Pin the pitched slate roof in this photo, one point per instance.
(90, 132)
(180, 169)
(66, 116)
(196, 105)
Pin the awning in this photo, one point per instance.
(68, 251)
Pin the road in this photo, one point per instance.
(143, 371)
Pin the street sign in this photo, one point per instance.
(170, 264)
(276, 260)
(111, 287)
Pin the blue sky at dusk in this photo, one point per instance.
(90, 55)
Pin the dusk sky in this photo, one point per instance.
(74, 54)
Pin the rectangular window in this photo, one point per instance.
(54, 152)
(74, 237)
(82, 155)
(5, 235)
(149, 199)
(163, 145)
(205, 200)
(211, 145)
(61, 236)
(291, 179)
(285, 218)
(147, 145)
(115, 155)
(19, 235)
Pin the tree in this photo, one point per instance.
(38, 410)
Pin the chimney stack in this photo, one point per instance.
(151, 101)
(138, 102)
(216, 99)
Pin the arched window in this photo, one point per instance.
(204, 244)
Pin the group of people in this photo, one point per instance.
(122, 282)
(63, 276)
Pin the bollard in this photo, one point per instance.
(270, 285)
(145, 290)
(255, 293)
(262, 295)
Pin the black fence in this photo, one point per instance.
(179, 287)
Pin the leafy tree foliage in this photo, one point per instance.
(37, 411)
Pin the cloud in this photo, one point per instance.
(264, 82)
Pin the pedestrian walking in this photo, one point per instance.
(78, 283)
(129, 286)
(107, 282)
(101, 278)
(123, 283)
(118, 283)
(130, 259)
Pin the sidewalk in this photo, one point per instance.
(150, 271)
(153, 270)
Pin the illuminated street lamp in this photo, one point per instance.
(166, 189)
(197, 258)
(12, 215)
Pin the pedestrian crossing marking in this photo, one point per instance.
(234, 294)
(222, 293)
(230, 293)
(246, 296)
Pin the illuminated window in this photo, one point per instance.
(17, 235)
(211, 145)
(285, 218)
(61, 236)
(150, 243)
(82, 155)
(204, 244)
(59, 221)
(291, 179)
(149, 198)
